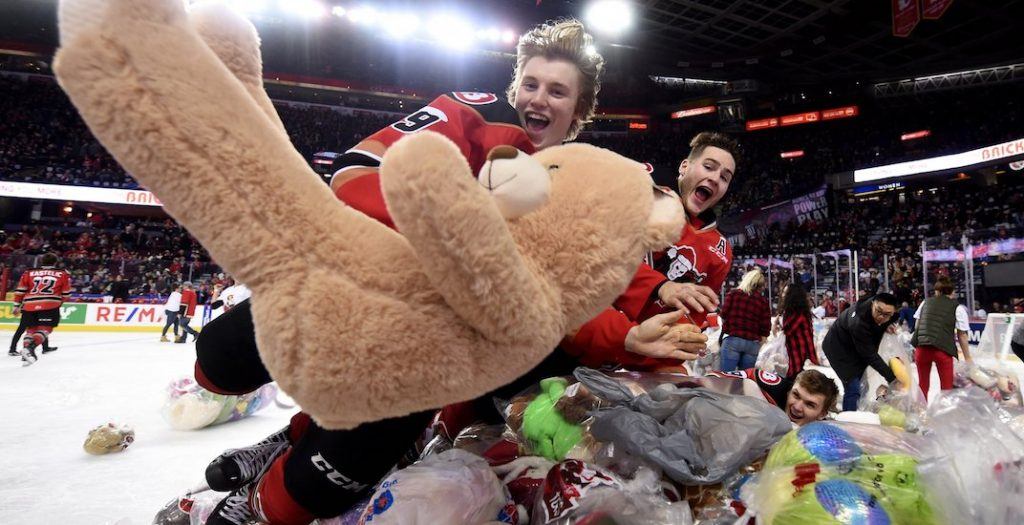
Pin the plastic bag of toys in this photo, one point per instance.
(451, 487)
(902, 406)
(773, 356)
(1001, 384)
(575, 492)
(189, 406)
(691, 428)
(551, 419)
(846, 473)
(984, 458)
(710, 359)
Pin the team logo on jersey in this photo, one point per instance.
(768, 378)
(422, 119)
(474, 98)
(684, 264)
(719, 249)
(732, 373)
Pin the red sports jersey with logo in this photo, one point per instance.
(702, 256)
(42, 289)
(774, 387)
(188, 303)
(475, 122)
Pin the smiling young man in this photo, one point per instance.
(692, 270)
(805, 398)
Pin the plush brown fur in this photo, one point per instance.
(353, 320)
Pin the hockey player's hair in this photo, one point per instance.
(568, 40)
(718, 140)
(48, 259)
(815, 383)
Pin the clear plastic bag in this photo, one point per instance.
(981, 479)
(1000, 382)
(773, 356)
(189, 406)
(833, 472)
(578, 492)
(712, 355)
(454, 486)
(695, 434)
(903, 406)
(878, 489)
(552, 418)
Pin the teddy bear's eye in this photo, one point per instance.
(553, 167)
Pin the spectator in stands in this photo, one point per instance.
(746, 322)
(171, 308)
(119, 289)
(979, 312)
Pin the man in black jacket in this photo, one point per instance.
(851, 344)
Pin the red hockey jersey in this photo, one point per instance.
(702, 256)
(475, 122)
(42, 289)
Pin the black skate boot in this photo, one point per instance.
(48, 349)
(236, 467)
(13, 353)
(238, 507)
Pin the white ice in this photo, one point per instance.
(95, 378)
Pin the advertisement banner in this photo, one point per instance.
(814, 206)
(106, 314)
(915, 135)
(934, 9)
(31, 190)
(843, 112)
(992, 153)
(764, 123)
(800, 118)
(792, 154)
(905, 16)
(703, 110)
(70, 313)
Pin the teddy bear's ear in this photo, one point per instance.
(518, 182)
(666, 220)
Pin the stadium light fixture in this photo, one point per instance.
(363, 15)
(610, 16)
(401, 25)
(308, 9)
(451, 31)
(338, 11)
(508, 37)
(249, 6)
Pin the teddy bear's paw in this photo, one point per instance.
(231, 36)
(77, 17)
(518, 182)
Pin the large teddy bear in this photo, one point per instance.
(356, 321)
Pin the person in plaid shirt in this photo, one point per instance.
(746, 322)
(795, 308)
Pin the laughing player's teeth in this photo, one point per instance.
(536, 122)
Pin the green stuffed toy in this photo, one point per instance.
(548, 432)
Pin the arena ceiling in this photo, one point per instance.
(817, 40)
(779, 41)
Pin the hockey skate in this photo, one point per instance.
(28, 355)
(236, 467)
(48, 349)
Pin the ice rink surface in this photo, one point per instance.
(94, 378)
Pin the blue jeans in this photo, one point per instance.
(739, 353)
(851, 394)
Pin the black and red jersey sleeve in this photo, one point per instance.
(475, 122)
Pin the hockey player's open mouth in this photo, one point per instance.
(535, 122)
(703, 193)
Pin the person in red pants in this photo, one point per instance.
(942, 323)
